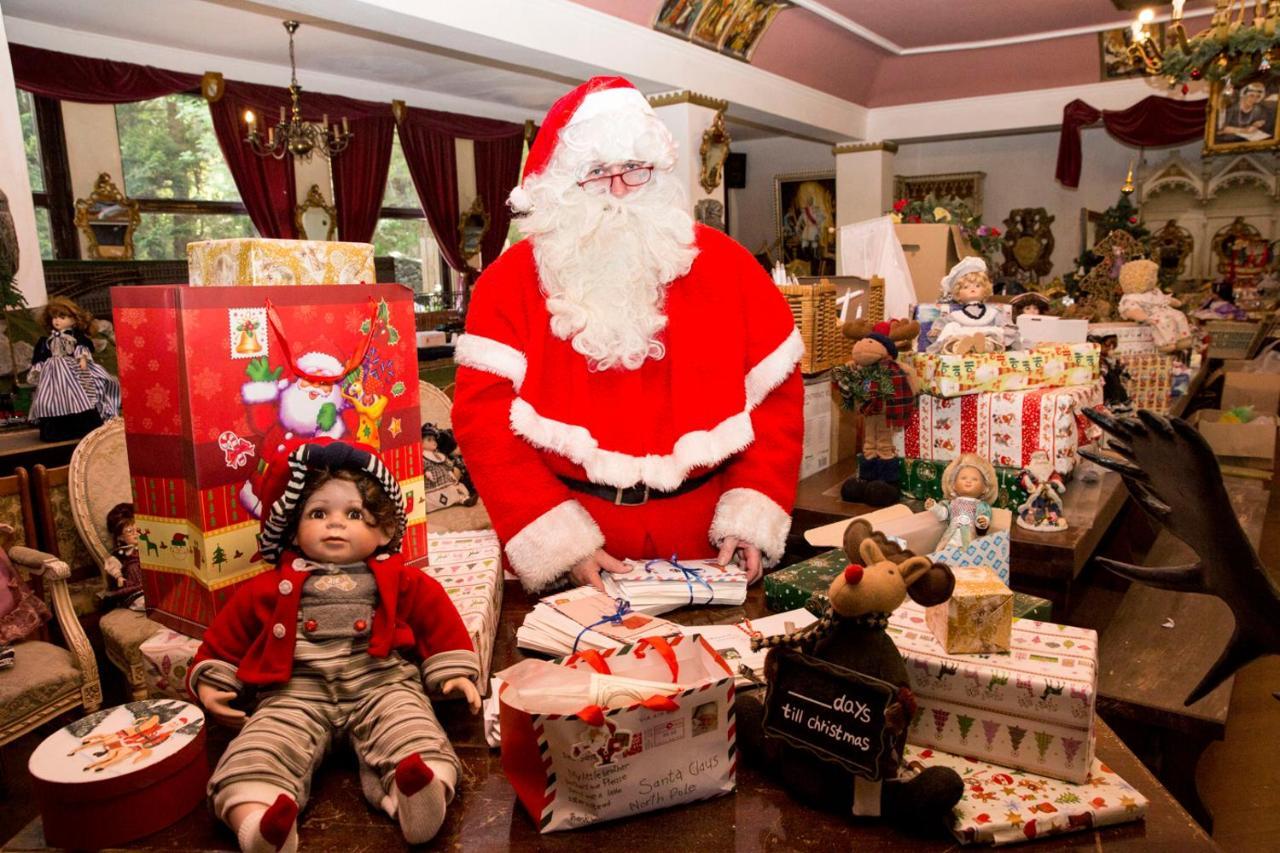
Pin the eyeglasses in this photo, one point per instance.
(632, 175)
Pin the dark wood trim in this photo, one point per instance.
(189, 206)
(58, 195)
(402, 213)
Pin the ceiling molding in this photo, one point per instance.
(667, 99)
(860, 147)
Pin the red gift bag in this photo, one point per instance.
(212, 376)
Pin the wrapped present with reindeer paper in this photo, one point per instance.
(276, 263)
(468, 564)
(1004, 427)
(1031, 708)
(1045, 366)
(213, 376)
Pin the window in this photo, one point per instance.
(403, 233)
(35, 167)
(175, 170)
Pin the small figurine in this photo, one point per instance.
(443, 471)
(338, 640)
(877, 386)
(969, 486)
(124, 566)
(73, 394)
(1115, 395)
(1044, 488)
(973, 325)
(1144, 302)
(1030, 303)
(851, 634)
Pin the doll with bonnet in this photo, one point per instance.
(973, 324)
(1144, 302)
(968, 487)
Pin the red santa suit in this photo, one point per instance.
(720, 414)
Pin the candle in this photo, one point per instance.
(271, 137)
(1177, 9)
(324, 122)
(282, 115)
(344, 126)
(249, 117)
(1137, 32)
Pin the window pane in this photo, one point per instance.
(164, 236)
(399, 191)
(412, 244)
(43, 230)
(31, 141)
(169, 150)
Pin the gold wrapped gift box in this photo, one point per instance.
(258, 262)
(978, 618)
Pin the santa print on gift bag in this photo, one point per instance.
(831, 711)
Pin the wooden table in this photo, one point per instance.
(23, 447)
(760, 816)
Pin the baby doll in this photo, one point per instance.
(123, 565)
(73, 395)
(1031, 304)
(968, 486)
(1144, 302)
(973, 325)
(332, 641)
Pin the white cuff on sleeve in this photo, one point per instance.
(752, 517)
(553, 543)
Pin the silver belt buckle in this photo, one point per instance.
(618, 501)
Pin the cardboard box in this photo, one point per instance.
(1130, 337)
(259, 262)
(1042, 329)
(846, 429)
(978, 617)
(1260, 390)
(1254, 442)
(816, 447)
(1031, 709)
(932, 249)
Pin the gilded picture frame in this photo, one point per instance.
(315, 218)
(804, 212)
(1114, 60)
(965, 187)
(107, 219)
(1245, 119)
(677, 17)
(713, 152)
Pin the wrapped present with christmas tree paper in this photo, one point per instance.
(270, 263)
(468, 564)
(1003, 806)
(978, 618)
(1150, 380)
(1004, 427)
(1045, 366)
(1031, 708)
(921, 479)
(214, 379)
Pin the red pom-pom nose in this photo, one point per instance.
(852, 574)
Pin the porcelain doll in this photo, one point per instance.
(339, 641)
(1144, 302)
(968, 487)
(442, 471)
(73, 395)
(973, 324)
(124, 566)
(1044, 487)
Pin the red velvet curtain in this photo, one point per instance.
(1150, 123)
(68, 77)
(360, 176)
(497, 171)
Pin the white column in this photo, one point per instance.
(313, 172)
(688, 115)
(17, 184)
(93, 147)
(864, 181)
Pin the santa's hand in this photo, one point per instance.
(462, 684)
(749, 557)
(259, 370)
(217, 703)
(587, 573)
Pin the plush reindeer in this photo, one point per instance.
(884, 393)
(852, 634)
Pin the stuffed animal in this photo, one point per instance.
(1144, 302)
(878, 387)
(973, 324)
(852, 634)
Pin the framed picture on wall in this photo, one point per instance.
(749, 27)
(1243, 119)
(677, 17)
(1113, 52)
(964, 187)
(804, 210)
(714, 21)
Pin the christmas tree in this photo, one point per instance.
(219, 557)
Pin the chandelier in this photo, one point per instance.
(292, 135)
(1230, 49)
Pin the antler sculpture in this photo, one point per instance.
(1172, 473)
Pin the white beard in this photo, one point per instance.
(605, 263)
(299, 411)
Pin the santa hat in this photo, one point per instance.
(597, 96)
(314, 366)
(282, 487)
(971, 264)
(880, 334)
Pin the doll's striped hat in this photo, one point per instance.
(283, 484)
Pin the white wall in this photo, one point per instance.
(16, 183)
(751, 215)
(1020, 173)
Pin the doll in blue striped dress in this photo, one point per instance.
(73, 394)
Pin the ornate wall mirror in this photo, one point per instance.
(471, 230)
(314, 218)
(713, 153)
(107, 219)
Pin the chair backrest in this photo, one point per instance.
(98, 480)
(434, 405)
(56, 530)
(16, 508)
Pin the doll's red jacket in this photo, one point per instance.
(257, 630)
(726, 397)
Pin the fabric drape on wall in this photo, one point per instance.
(266, 184)
(497, 171)
(68, 77)
(1150, 123)
(360, 176)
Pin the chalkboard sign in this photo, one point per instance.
(835, 713)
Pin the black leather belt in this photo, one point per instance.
(635, 495)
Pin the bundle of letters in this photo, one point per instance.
(658, 586)
(585, 618)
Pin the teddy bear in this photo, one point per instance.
(1144, 302)
(851, 634)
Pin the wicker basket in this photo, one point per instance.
(813, 307)
(1232, 339)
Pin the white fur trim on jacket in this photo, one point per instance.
(491, 356)
(553, 543)
(752, 517)
(693, 449)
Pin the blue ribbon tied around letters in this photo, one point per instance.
(615, 618)
(690, 573)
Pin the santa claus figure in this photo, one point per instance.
(627, 386)
(308, 406)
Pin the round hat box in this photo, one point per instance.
(120, 773)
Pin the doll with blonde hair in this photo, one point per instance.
(73, 394)
(968, 487)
